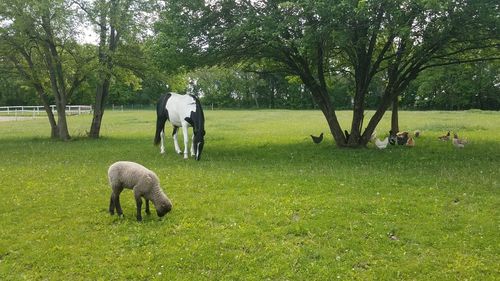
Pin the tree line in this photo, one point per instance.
(355, 55)
(462, 87)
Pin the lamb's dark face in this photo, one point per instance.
(163, 208)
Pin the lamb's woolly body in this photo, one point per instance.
(134, 176)
(144, 182)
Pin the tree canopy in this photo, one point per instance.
(393, 40)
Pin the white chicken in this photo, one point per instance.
(458, 142)
(381, 144)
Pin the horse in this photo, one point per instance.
(182, 111)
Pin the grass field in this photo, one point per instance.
(264, 203)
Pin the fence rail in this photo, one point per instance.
(35, 110)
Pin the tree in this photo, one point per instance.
(119, 24)
(13, 89)
(248, 86)
(318, 40)
(426, 35)
(474, 85)
(37, 41)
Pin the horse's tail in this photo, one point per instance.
(161, 116)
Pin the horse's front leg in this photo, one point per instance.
(176, 143)
(186, 140)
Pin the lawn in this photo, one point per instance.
(264, 202)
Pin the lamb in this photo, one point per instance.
(143, 182)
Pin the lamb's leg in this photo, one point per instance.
(111, 205)
(116, 199)
(138, 201)
(148, 212)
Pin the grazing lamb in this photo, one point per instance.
(145, 183)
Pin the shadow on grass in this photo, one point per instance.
(266, 153)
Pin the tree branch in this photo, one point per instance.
(460, 62)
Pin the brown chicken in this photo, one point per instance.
(445, 137)
(410, 142)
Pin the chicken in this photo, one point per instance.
(317, 139)
(458, 142)
(445, 137)
(381, 144)
(410, 142)
(402, 138)
(373, 137)
(392, 138)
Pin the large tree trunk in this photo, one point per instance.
(33, 78)
(379, 113)
(62, 125)
(54, 131)
(354, 139)
(335, 129)
(395, 115)
(57, 80)
(106, 61)
(100, 101)
(393, 90)
(320, 94)
(322, 98)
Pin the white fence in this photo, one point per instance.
(34, 110)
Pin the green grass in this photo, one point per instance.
(264, 203)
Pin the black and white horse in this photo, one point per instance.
(182, 111)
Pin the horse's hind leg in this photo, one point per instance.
(192, 145)
(176, 143)
(162, 143)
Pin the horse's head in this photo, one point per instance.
(197, 119)
(198, 142)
